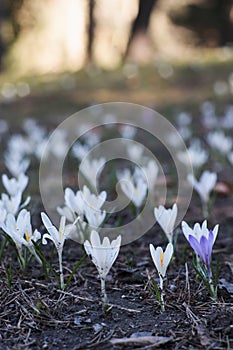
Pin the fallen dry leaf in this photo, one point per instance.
(203, 335)
(227, 285)
(146, 340)
(224, 187)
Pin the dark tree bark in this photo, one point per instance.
(141, 22)
(2, 44)
(210, 21)
(91, 31)
(224, 7)
(8, 13)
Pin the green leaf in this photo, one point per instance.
(157, 290)
(45, 263)
(216, 275)
(201, 271)
(3, 246)
(77, 265)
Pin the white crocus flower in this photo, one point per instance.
(67, 212)
(91, 169)
(74, 205)
(135, 152)
(136, 191)
(185, 132)
(210, 121)
(78, 231)
(15, 186)
(209, 118)
(16, 165)
(103, 255)
(134, 186)
(58, 237)
(201, 239)
(39, 149)
(218, 140)
(151, 170)
(94, 217)
(58, 144)
(166, 219)
(15, 228)
(3, 214)
(20, 231)
(227, 121)
(109, 120)
(91, 138)
(36, 133)
(205, 185)
(20, 145)
(161, 260)
(230, 157)
(80, 151)
(183, 118)
(4, 127)
(92, 200)
(128, 131)
(199, 230)
(11, 204)
(195, 154)
(84, 205)
(123, 174)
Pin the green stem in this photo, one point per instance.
(22, 260)
(212, 287)
(103, 292)
(162, 293)
(3, 246)
(80, 230)
(205, 210)
(61, 270)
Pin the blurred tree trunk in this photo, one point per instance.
(1, 39)
(8, 14)
(141, 22)
(224, 8)
(211, 21)
(91, 32)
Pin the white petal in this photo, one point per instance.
(50, 228)
(155, 254)
(215, 231)
(46, 235)
(46, 221)
(186, 229)
(95, 239)
(168, 254)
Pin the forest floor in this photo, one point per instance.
(36, 314)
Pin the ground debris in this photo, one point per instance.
(141, 340)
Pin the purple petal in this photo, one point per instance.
(204, 243)
(196, 246)
(210, 243)
(211, 240)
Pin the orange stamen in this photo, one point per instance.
(161, 258)
(28, 238)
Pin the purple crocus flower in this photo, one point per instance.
(201, 240)
(203, 248)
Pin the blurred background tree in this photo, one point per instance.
(9, 25)
(139, 29)
(211, 21)
(41, 36)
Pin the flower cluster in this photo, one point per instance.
(16, 221)
(83, 213)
